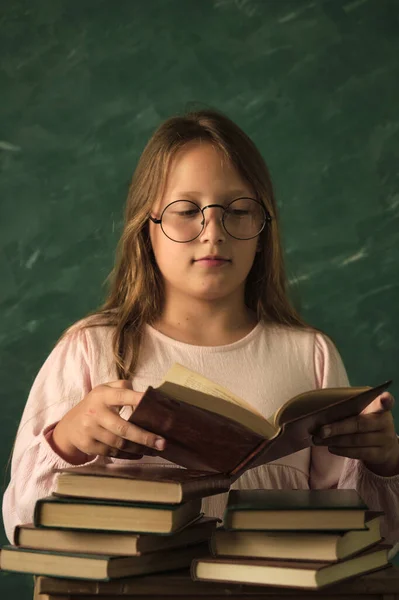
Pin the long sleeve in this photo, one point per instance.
(328, 470)
(61, 383)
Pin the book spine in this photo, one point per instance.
(213, 545)
(16, 535)
(218, 486)
(193, 569)
(72, 588)
(37, 513)
(243, 465)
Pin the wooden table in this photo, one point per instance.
(380, 585)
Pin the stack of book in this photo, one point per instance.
(108, 522)
(294, 538)
(111, 522)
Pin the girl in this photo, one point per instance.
(199, 280)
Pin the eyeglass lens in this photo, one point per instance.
(243, 219)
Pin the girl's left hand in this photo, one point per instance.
(369, 437)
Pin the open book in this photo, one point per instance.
(208, 428)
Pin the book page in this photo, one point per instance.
(312, 400)
(185, 385)
(187, 378)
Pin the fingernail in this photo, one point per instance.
(386, 403)
(160, 444)
(325, 432)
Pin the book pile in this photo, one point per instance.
(294, 538)
(116, 521)
(110, 522)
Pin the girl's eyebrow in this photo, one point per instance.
(239, 193)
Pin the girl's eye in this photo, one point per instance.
(238, 213)
(188, 213)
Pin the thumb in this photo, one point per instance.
(384, 402)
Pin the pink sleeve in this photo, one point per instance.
(329, 471)
(61, 383)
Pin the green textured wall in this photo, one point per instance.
(84, 83)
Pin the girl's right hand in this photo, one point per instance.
(94, 427)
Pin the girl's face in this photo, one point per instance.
(199, 173)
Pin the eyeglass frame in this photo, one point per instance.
(268, 218)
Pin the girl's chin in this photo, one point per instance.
(208, 293)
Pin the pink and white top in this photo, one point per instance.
(267, 367)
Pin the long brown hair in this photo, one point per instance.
(136, 291)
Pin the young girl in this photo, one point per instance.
(199, 280)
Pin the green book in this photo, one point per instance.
(96, 566)
(110, 542)
(306, 574)
(295, 510)
(85, 513)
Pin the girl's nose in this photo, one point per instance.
(213, 228)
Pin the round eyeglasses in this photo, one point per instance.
(183, 220)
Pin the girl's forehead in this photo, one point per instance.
(197, 168)
(197, 156)
(199, 171)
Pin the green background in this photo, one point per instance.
(83, 85)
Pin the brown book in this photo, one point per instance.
(208, 428)
(294, 545)
(96, 566)
(295, 510)
(178, 584)
(109, 542)
(101, 515)
(289, 573)
(135, 483)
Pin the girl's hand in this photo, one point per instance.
(94, 427)
(370, 437)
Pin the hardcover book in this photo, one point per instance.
(110, 542)
(289, 573)
(135, 483)
(331, 509)
(84, 513)
(296, 545)
(178, 584)
(96, 566)
(210, 429)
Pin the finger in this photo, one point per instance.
(122, 445)
(358, 440)
(119, 384)
(128, 431)
(357, 424)
(120, 395)
(94, 448)
(132, 447)
(116, 447)
(383, 402)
